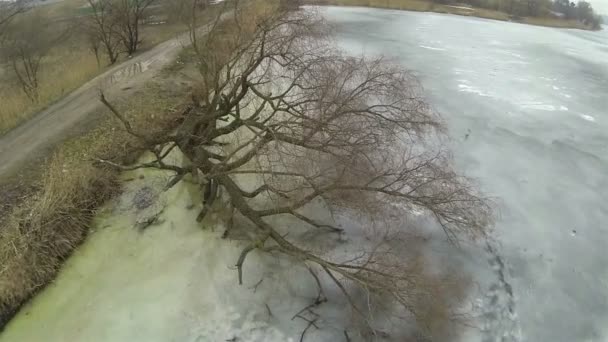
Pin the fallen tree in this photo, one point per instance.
(279, 104)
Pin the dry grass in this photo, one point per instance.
(407, 5)
(63, 9)
(39, 233)
(156, 34)
(490, 14)
(555, 22)
(68, 67)
(162, 27)
(63, 72)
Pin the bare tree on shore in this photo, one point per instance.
(102, 29)
(27, 42)
(310, 126)
(129, 15)
(115, 25)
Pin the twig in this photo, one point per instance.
(151, 165)
(255, 287)
(239, 263)
(307, 308)
(268, 309)
(122, 119)
(315, 224)
(320, 296)
(174, 181)
(346, 335)
(310, 324)
(209, 197)
(343, 289)
(318, 301)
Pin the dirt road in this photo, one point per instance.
(49, 127)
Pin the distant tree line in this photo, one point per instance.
(113, 26)
(581, 11)
(26, 39)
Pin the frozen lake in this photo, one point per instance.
(527, 109)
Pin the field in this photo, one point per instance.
(60, 74)
(69, 64)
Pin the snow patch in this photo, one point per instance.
(543, 106)
(431, 48)
(471, 89)
(516, 55)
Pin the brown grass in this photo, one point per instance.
(490, 14)
(407, 5)
(40, 232)
(555, 22)
(68, 67)
(62, 73)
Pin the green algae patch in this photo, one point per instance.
(173, 281)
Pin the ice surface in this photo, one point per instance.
(538, 145)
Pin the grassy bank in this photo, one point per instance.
(552, 22)
(429, 6)
(69, 65)
(66, 69)
(62, 73)
(52, 218)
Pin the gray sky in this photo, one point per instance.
(601, 6)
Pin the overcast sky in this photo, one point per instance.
(601, 6)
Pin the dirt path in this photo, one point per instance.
(49, 127)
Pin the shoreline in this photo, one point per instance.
(476, 12)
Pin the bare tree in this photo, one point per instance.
(9, 10)
(309, 126)
(129, 14)
(27, 42)
(95, 46)
(103, 28)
